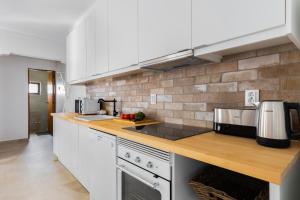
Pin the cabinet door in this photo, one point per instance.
(103, 179)
(164, 27)
(77, 52)
(123, 33)
(90, 43)
(57, 134)
(68, 57)
(215, 21)
(64, 144)
(71, 55)
(84, 154)
(73, 150)
(80, 48)
(101, 41)
(69, 146)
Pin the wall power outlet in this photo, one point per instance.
(153, 98)
(251, 96)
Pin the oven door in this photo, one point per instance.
(135, 183)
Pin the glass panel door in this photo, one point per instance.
(133, 189)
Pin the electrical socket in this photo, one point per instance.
(153, 98)
(251, 96)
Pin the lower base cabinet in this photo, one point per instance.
(84, 156)
(104, 175)
(89, 155)
(65, 144)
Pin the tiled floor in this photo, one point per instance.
(28, 172)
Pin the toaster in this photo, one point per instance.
(235, 121)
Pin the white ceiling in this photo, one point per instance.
(50, 19)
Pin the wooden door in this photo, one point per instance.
(51, 99)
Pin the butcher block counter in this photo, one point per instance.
(241, 155)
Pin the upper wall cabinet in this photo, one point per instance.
(69, 56)
(101, 42)
(164, 27)
(76, 47)
(116, 34)
(228, 27)
(123, 33)
(216, 21)
(90, 43)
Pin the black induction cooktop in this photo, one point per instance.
(169, 131)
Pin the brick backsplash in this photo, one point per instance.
(188, 95)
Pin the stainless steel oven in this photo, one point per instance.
(143, 172)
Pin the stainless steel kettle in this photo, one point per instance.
(274, 123)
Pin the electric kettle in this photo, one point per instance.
(274, 123)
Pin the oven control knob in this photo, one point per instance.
(150, 165)
(137, 160)
(127, 155)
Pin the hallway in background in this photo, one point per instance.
(41, 101)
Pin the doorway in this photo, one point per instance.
(41, 101)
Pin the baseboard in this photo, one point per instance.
(14, 141)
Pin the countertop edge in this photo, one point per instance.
(268, 175)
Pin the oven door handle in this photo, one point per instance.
(154, 185)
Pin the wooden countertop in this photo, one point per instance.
(234, 153)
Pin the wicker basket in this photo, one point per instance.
(214, 183)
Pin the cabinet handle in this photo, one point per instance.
(132, 65)
(99, 137)
(182, 50)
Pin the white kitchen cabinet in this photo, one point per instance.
(80, 59)
(61, 130)
(101, 41)
(65, 144)
(84, 156)
(69, 55)
(90, 43)
(238, 26)
(123, 33)
(76, 45)
(72, 146)
(70, 61)
(57, 133)
(164, 27)
(103, 178)
(216, 21)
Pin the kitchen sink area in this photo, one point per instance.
(88, 118)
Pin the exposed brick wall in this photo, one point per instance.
(188, 95)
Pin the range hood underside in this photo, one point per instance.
(166, 63)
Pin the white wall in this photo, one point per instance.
(66, 94)
(14, 94)
(73, 92)
(60, 87)
(30, 46)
